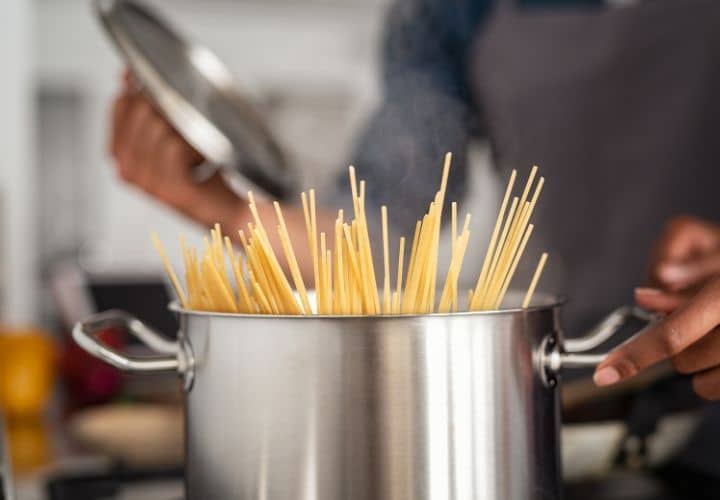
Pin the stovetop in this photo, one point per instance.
(117, 484)
(123, 484)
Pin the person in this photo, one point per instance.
(617, 104)
(686, 271)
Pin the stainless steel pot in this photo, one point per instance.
(461, 406)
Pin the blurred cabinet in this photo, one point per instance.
(17, 243)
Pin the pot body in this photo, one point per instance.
(428, 407)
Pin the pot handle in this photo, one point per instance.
(572, 353)
(172, 360)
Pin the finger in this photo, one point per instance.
(681, 275)
(658, 300)
(188, 155)
(707, 384)
(685, 236)
(119, 111)
(663, 340)
(154, 133)
(172, 165)
(150, 134)
(700, 356)
(682, 238)
(138, 116)
(130, 82)
(128, 157)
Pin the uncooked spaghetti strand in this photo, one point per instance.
(414, 274)
(386, 258)
(426, 269)
(506, 258)
(169, 270)
(413, 248)
(514, 241)
(323, 291)
(528, 209)
(310, 228)
(354, 190)
(292, 260)
(190, 285)
(202, 295)
(218, 254)
(535, 280)
(445, 177)
(223, 297)
(493, 240)
(413, 258)
(329, 278)
(258, 292)
(435, 250)
(513, 268)
(230, 251)
(479, 298)
(446, 298)
(525, 193)
(276, 275)
(398, 287)
(284, 292)
(454, 289)
(240, 281)
(367, 265)
(355, 267)
(262, 273)
(453, 225)
(340, 274)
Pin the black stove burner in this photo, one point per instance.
(667, 483)
(107, 485)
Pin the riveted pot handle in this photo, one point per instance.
(573, 352)
(85, 334)
(608, 327)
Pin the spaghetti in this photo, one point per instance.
(343, 265)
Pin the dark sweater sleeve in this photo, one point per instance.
(426, 110)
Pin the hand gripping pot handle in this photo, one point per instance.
(175, 356)
(573, 352)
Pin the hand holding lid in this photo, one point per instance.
(196, 94)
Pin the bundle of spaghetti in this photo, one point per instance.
(506, 246)
(421, 281)
(448, 298)
(257, 280)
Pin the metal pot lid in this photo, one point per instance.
(197, 94)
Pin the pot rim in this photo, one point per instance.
(551, 302)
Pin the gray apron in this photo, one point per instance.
(620, 107)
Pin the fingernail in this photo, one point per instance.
(642, 290)
(674, 272)
(606, 376)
